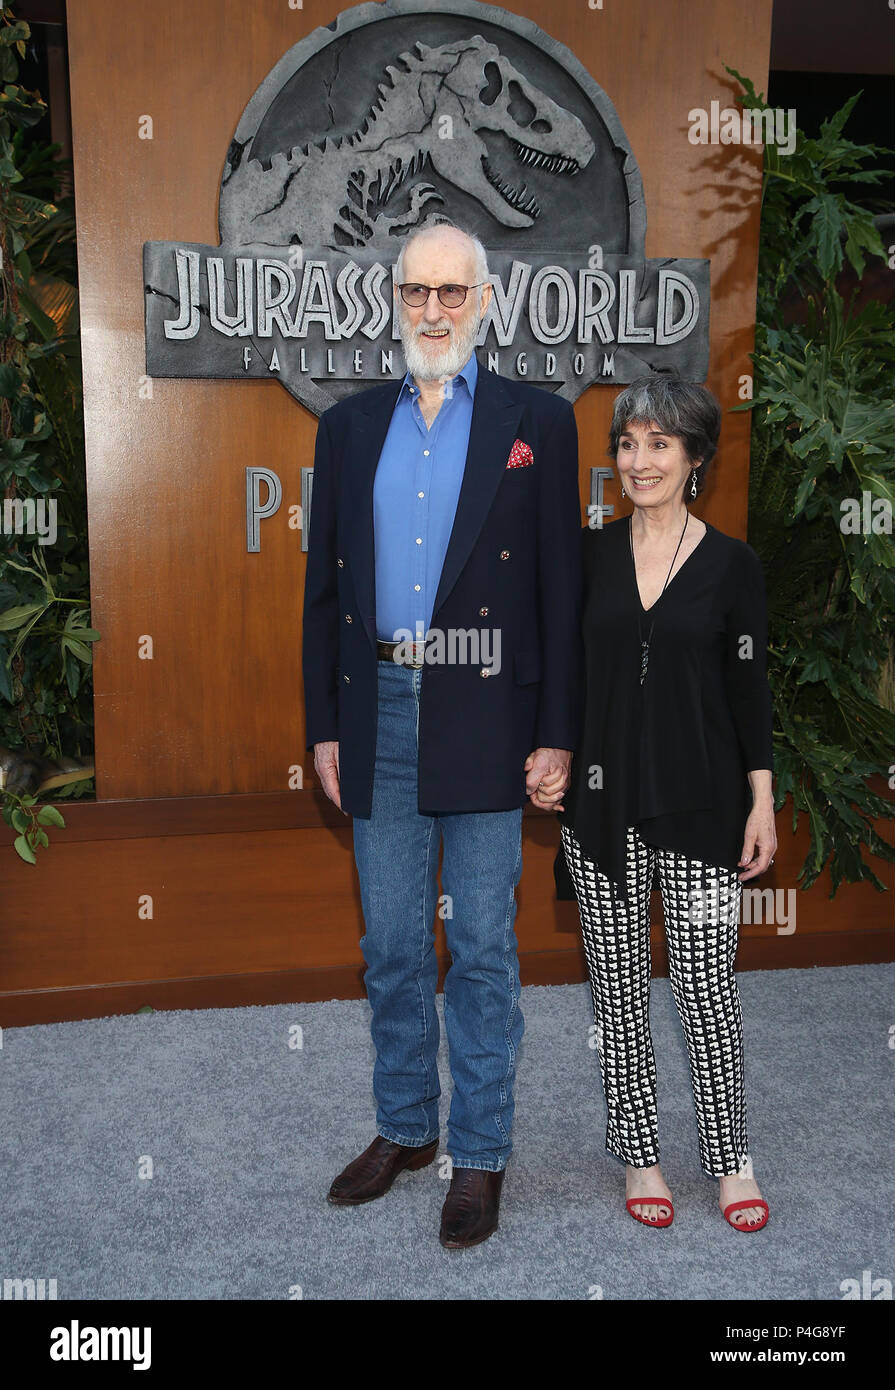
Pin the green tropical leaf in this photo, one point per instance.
(24, 850)
(17, 617)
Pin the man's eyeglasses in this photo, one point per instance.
(451, 296)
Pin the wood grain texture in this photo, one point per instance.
(259, 913)
(219, 707)
(253, 884)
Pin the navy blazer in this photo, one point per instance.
(513, 562)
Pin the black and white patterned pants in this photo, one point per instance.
(702, 905)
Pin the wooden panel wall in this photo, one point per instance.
(253, 886)
(219, 708)
(254, 900)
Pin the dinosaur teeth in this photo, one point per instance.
(515, 197)
(537, 159)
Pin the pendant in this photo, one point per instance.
(644, 660)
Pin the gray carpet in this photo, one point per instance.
(245, 1135)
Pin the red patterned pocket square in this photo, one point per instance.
(520, 455)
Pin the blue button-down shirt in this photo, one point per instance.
(415, 494)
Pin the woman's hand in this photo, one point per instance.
(551, 768)
(550, 793)
(760, 837)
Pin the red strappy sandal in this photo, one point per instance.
(741, 1206)
(658, 1201)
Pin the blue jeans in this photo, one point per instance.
(396, 851)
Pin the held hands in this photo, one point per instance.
(326, 765)
(547, 777)
(548, 767)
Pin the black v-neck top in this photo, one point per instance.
(670, 756)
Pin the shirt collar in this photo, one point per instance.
(468, 373)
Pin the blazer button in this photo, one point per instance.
(340, 564)
(504, 555)
(483, 612)
(348, 617)
(347, 680)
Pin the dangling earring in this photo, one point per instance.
(624, 494)
(693, 484)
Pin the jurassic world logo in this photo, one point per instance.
(390, 118)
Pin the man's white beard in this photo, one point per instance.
(426, 365)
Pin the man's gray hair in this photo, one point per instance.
(481, 256)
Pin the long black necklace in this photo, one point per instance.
(644, 642)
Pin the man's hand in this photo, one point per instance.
(547, 777)
(326, 765)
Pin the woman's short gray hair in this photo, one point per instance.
(480, 255)
(677, 407)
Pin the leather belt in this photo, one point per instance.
(411, 653)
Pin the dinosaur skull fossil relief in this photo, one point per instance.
(432, 112)
(399, 115)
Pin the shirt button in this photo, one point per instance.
(419, 540)
(504, 555)
(420, 494)
(425, 453)
(417, 587)
(483, 612)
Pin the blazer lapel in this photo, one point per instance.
(494, 425)
(495, 420)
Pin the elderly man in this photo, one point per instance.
(443, 687)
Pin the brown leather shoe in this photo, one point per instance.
(469, 1214)
(372, 1173)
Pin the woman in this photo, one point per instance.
(672, 778)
